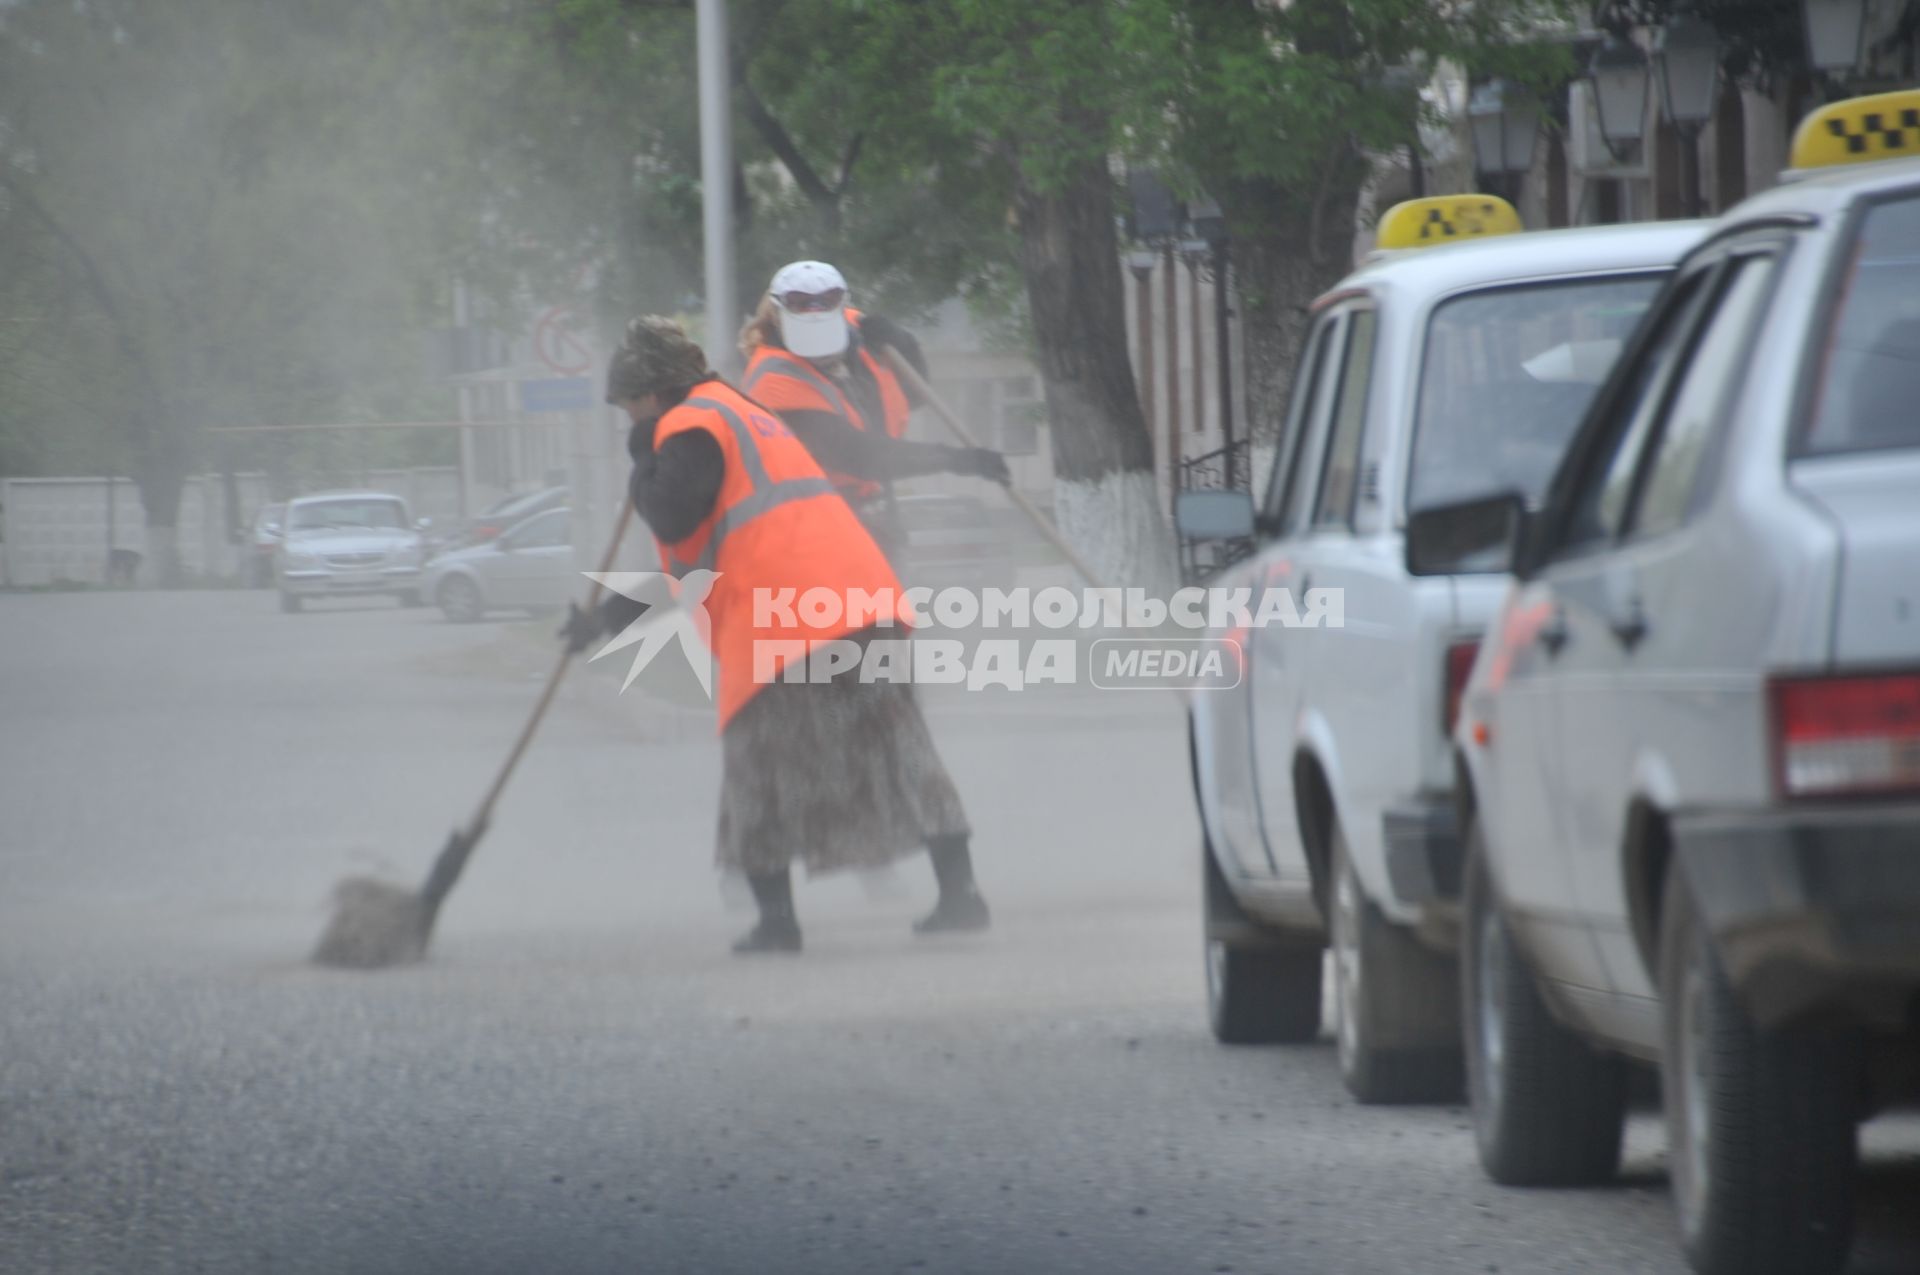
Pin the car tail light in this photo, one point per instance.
(1839, 735)
(1459, 667)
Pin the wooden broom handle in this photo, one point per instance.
(478, 824)
(1044, 525)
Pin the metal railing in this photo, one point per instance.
(1223, 469)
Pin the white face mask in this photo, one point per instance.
(818, 335)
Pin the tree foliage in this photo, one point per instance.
(213, 224)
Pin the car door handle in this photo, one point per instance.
(1553, 633)
(1632, 627)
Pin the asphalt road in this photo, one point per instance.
(581, 1078)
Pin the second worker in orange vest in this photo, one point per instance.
(839, 773)
(822, 366)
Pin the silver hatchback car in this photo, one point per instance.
(529, 566)
(1689, 751)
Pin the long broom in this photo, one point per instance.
(1043, 524)
(376, 923)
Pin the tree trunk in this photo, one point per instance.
(1105, 497)
(162, 476)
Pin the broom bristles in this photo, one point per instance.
(375, 924)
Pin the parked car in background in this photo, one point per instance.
(529, 566)
(262, 543)
(1324, 778)
(511, 511)
(339, 544)
(1690, 753)
(953, 540)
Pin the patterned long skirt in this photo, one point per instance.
(837, 775)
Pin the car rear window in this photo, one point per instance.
(1507, 375)
(1867, 397)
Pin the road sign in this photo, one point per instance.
(555, 344)
(557, 394)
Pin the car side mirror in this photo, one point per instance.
(1214, 515)
(271, 528)
(423, 524)
(1484, 534)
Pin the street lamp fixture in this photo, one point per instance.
(1206, 220)
(1686, 57)
(1619, 76)
(1506, 125)
(1835, 31)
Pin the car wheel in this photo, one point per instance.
(1396, 1003)
(1548, 1108)
(459, 600)
(1257, 994)
(289, 602)
(1762, 1125)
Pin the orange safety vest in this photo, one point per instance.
(776, 525)
(784, 381)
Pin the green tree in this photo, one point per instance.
(1281, 112)
(216, 230)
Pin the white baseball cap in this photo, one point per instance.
(810, 277)
(811, 299)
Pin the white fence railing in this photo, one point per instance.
(60, 529)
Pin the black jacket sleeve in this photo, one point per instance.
(842, 449)
(881, 334)
(675, 486)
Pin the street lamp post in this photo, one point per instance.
(1194, 253)
(1506, 125)
(1211, 225)
(716, 178)
(1687, 61)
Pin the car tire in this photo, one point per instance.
(289, 602)
(1762, 1125)
(1396, 1002)
(1257, 994)
(459, 600)
(1549, 1109)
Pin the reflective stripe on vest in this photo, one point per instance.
(801, 370)
(765, 494)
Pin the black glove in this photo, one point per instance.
(582, 628)
(613, 615)
(982, 462)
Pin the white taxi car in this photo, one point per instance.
(1324, 778)
(1690, 752)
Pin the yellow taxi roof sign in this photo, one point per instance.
(1858, 130)
(1438, 219)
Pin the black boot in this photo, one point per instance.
(960, 907)
(777, 930)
